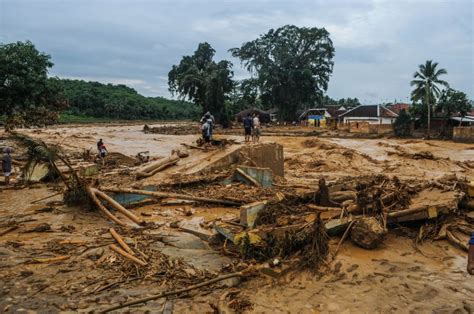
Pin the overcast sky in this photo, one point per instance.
(379, 44)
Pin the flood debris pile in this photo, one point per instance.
(260, 222)
(171, 129)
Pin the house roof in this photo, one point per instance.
(397, 107)
(335, 110)
(371, 111)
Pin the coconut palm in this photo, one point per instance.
(427, 85)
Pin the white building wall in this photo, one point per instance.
(371, 120)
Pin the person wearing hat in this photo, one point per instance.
(7, 164)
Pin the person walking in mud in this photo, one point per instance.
(256, 128)
(208, 117)
(102, 153)
(99, 145)
(7, 164)
(247, 121)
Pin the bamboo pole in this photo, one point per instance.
(101, 206)
(121, 241)
(126, 255)
(118, 207)
(171, 195)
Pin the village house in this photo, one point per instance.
(372, 114)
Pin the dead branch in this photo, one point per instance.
(118, 207)
(121, 241)
(165, 294)
(126, 255)
(101, 206)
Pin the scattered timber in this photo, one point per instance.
(172, 195)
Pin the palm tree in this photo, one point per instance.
(426, 82)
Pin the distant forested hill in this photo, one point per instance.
(121, 102)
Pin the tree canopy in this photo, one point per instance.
(291, 66)
(453, 101)
(27, 96)
(427, 85)
(121, 102)
(202, 80)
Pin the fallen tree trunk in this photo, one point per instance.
(118, 207)
(172, 195)
(101, 206)
(156, 167)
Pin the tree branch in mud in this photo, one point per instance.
(179, 291)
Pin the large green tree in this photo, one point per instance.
(27, 97)
(427, 85)
(291, 65)
(202, 80)
(453, 101)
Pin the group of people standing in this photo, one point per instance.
(251, 124)
(252, 128)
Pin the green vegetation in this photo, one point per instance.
(452, 101)
(119, 102)
(290, 67)
(200, 79)
(27, 96)
(402, 125)
(427, 82)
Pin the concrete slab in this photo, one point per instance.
(263, 176)
(249, 212)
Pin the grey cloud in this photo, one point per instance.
(379, 43)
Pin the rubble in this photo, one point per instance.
(260, 213)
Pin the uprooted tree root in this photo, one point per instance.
(308, 244)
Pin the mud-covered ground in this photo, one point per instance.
(399, 276)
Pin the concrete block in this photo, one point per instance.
(334, 226)
(263, 176)
(249, 212)
(227, 230)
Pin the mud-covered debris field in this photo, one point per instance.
(295, 223)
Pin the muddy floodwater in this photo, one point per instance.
(402, 275)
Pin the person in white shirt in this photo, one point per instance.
(256, 129)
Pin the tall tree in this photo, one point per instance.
(27, 97)
(453, 101)
(200, 79)
(291, 64)
(427, 86)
